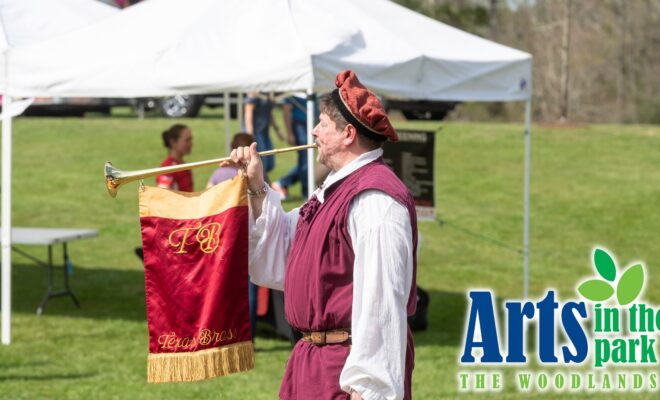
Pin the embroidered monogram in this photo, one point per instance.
(207, 236)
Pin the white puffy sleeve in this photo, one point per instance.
(381, 234)
(270, 238)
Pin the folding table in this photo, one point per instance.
(51, 237)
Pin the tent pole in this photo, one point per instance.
(239, 109)
(5, 234)
(310, 139)
(227, 123)
(528, 168)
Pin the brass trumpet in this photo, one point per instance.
(115, 178)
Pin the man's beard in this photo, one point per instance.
(322, 156)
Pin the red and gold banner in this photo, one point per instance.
(196, 277)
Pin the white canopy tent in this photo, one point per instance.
(23, 22)
(29, 21)
(270, 45)
(239, 46)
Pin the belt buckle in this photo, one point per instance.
(318, 338)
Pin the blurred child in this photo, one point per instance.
(226, 171)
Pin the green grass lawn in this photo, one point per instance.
(590, 185)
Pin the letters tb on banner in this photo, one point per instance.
(196, 277)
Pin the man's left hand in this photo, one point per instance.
(355, 396)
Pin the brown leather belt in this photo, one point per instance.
(327, 337)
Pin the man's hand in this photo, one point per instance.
(355, 396)
(249, 160)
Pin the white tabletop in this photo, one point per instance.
(49, 236)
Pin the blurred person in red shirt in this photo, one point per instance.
(178, 140)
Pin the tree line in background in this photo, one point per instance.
(594, 60)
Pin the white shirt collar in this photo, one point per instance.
(334, 176)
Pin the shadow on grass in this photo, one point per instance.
(103, 293)
(119, 294)
(47, 377)
(446, 320)
(273, 349)
(22, 365)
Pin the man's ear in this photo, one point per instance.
(350, 135)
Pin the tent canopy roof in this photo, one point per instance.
(28, 21)
(160, 48)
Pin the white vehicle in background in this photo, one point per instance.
(188, 106)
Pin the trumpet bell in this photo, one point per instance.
(111, 179)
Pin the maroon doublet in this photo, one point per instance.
(318, 286)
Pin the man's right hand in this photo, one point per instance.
(249, 160)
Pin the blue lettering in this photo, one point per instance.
(482, 308)
(574, 332)
(547, 308)
(516, 311)
(518, 314)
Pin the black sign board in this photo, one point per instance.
(412, 159)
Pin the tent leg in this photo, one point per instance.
(140, 110)
(528, 170)
(239, 109)
(310, 152)
(227, 107)
(5, 233)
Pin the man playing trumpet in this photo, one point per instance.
(346, 259)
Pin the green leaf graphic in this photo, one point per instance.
(630, 284)
(596, 290)
(605, 264)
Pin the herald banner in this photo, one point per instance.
(196, 281)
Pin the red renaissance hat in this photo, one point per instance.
(361, 108)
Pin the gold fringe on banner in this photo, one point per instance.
(200, 365)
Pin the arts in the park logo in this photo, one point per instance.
(603, 339)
